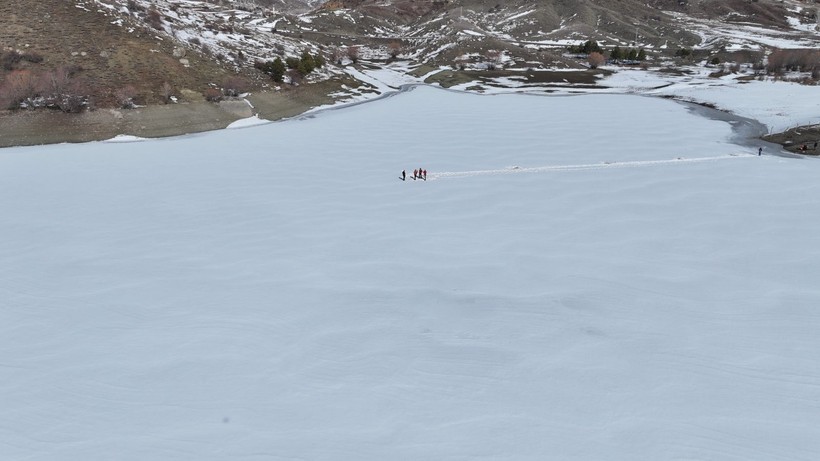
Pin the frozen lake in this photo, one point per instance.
(587, 277)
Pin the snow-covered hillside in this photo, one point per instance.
(263, 30)
(569, 283)
(221, 29)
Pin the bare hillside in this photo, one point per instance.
(104, 50)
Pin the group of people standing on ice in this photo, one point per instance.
(417, 174)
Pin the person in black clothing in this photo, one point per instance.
(759, 151)
(403, 175)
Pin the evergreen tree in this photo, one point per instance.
(292, 63)
(591, 46)
(319, 61)
(277, 70)
(616, 53)
(684, 53)
(641, 55)
(306, 63)
(632, 55)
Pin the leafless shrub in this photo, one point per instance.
(134, 6)
(10, 59)
(337, 56)
(153, 18)
(234, 86)
(125, 96)
(32, 57)
(18, 87)
(212, 95)
(166, 90)
(74, 99)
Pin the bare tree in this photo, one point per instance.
(295, 76)
(55, 82)
(596, 59)
(805, 60)
(19, 86)
(494, 59)
(808, 60)
(167, 91)
(394, 48)
(776, 61)
(353, 53)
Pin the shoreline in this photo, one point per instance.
(36, 128)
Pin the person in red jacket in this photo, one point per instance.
(415, 174)
(424, 174)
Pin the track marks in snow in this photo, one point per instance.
(583, 167)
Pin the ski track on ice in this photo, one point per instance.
(583, 167)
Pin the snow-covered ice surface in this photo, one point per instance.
(580, 278)
(777, 105)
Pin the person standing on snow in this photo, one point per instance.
(415, 173)
(759, 151)
(403, 175)
(424, 173)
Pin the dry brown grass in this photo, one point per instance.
(109, 56)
